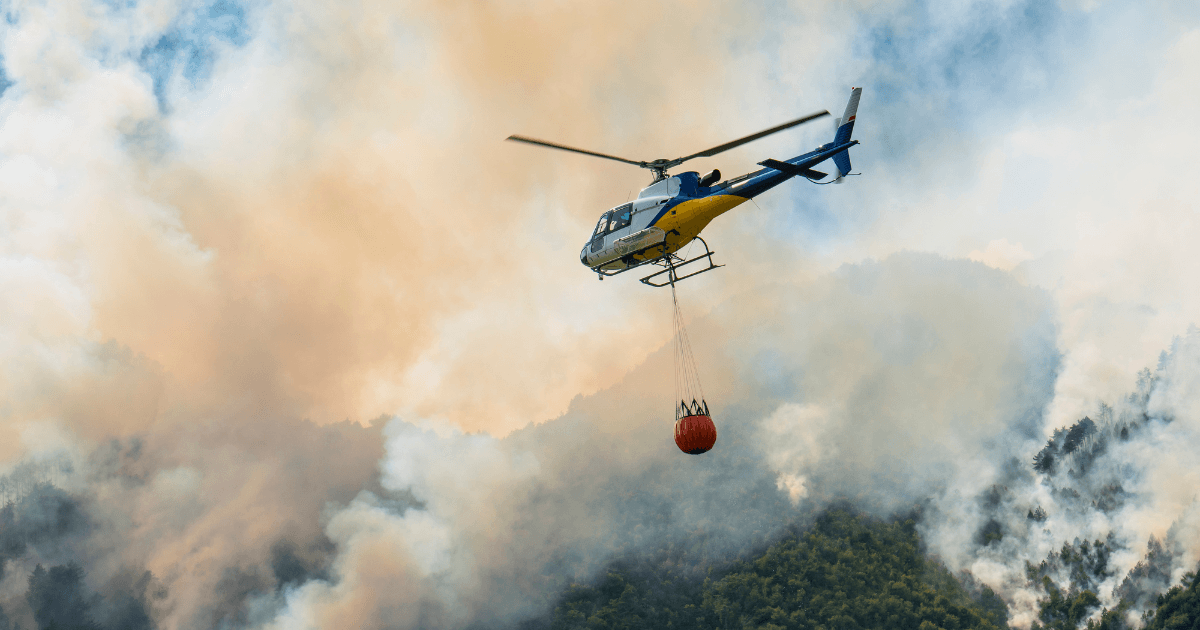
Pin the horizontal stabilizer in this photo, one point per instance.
(792, 169)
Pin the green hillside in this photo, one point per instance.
(847, 571)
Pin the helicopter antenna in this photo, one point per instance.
(659, 167)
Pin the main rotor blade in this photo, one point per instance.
(750, 138)
(552, 145)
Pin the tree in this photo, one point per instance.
(848, 572)
(1178, 608)
(58, 598)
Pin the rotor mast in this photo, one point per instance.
(659, 173)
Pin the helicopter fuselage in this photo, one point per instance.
(671, 212)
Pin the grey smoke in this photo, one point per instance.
(1149, 577)
(292, 564)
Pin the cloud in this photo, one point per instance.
(1001, 254)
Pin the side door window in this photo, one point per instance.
(622, 215)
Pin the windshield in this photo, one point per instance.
(602, 226)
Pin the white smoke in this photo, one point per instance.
(487, 528)
(1128, 483)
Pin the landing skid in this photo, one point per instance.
(674, 263)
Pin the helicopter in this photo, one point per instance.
(671, 212)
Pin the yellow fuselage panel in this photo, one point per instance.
(685, 221)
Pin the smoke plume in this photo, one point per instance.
(291, 339)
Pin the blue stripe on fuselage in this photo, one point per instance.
(759, 182)
(768, 178)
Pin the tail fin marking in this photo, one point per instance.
(847, 120)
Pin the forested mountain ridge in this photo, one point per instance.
(846, 571)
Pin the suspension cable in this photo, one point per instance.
(689, 395)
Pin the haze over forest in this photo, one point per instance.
(291, 339)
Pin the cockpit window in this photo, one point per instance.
(602, 226)
(614, 220)
(622, 215)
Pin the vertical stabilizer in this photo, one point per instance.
(844, 131)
